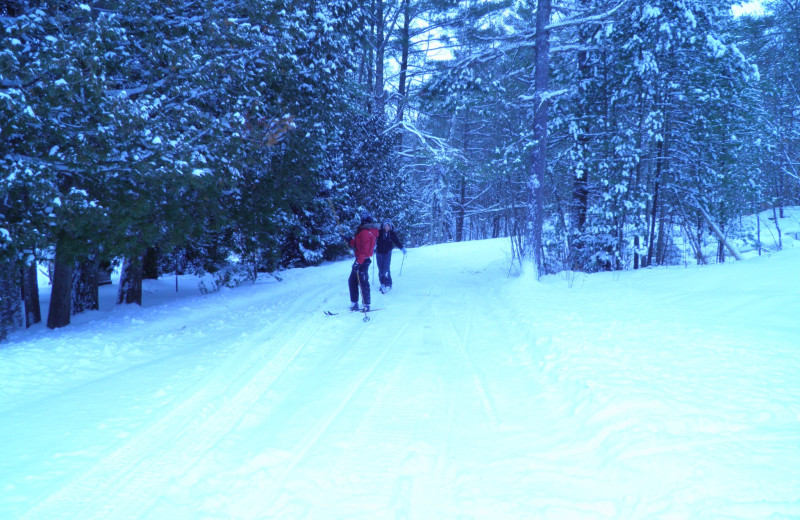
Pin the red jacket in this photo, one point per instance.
(364, 241)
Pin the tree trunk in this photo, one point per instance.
(61, 292)
(638, 180)
(664, 230)
(367, 68)
(150, 270)
(541, 80)
(758, 230)
(85, 295)
(405, 42)
(695, 241)
(461, 210)
(10, 299)
(700, 240)
(130, 282)
(380, 47)
(30, 295)
(777, 227)
(651, 245)
(580, 193)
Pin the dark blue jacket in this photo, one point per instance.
(386, 240)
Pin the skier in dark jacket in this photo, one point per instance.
(387, 239)
(363, 243)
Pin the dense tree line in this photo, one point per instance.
(183, 133)
(667, 120)
(177, 136)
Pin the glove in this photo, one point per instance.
(356, 265)
(403, 250)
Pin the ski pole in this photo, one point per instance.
(401, 265)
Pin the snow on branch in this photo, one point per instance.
(544, 96)
(527, 39)
(597, 18)
(792, 173)
(37, 161)
(435, 145)
(133, 91)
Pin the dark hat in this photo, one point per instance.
(366, 218)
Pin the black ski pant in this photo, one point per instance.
(384, 265)
(359, 276)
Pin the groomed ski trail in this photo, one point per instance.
(380, 419)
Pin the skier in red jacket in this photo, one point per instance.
(363, 243)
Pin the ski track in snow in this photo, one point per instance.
(401, 412)
(126, 483)
(390, 406)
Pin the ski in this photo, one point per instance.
(331, 313)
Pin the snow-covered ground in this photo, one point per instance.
(668, 393)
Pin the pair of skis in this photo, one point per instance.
(365, 312)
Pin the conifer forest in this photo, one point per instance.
(238, 137)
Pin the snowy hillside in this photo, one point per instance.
(661, 393)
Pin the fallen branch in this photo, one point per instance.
(716, 230)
